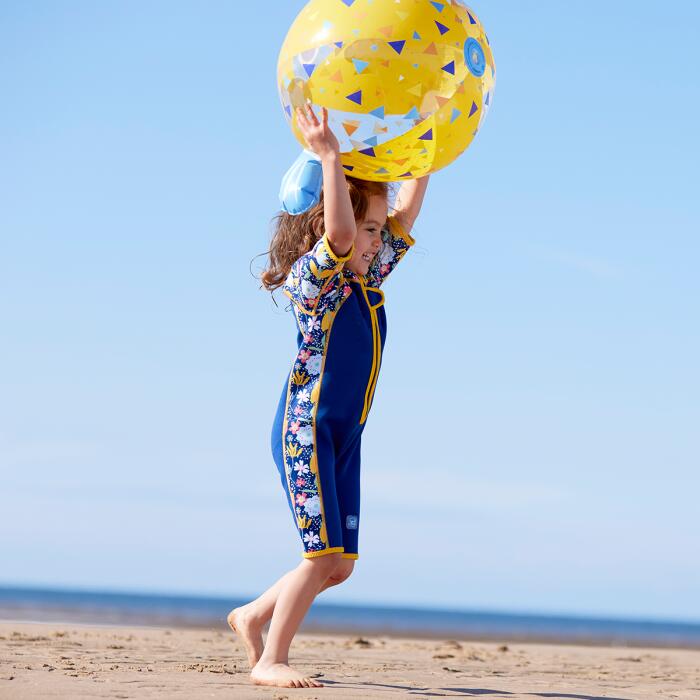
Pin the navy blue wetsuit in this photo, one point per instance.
(323, 408)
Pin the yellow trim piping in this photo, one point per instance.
(349, 555)
(376, 352)
(398, 231)
(314, 454)
(299, 306)
(321, 552)
(401, 232)
(376, 374)
(336, 258)
(370, 288)
(313, 421)
(339, 262)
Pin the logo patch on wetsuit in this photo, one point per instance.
(351, 522)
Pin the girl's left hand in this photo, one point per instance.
(318, 135)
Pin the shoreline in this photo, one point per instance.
(201, 611)
(330, 631)
(97, 660)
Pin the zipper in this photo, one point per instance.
(376, 357)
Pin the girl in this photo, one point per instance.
(331, 262)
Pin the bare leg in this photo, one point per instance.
(248, 620)
(293, 602)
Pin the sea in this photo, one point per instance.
(66, 606)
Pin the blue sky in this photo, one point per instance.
(541, 361)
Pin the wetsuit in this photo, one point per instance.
(323, 408)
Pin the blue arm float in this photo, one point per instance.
(301, 184)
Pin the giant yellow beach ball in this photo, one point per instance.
(407, 83)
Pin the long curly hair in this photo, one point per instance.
(295, 235)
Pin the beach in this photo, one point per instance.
(42, 660)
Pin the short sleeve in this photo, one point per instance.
(395, 243)
(315, 279)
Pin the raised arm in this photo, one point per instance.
(409, 201)
(338, 216)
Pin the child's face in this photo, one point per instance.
(369, 235)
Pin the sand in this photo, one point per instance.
(42, 660)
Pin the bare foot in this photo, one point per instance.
(282, 675)
(249, 629)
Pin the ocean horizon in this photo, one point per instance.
(101, 607)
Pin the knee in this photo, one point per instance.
(325, 565)
(342, 571)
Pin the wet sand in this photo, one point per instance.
(53, 660)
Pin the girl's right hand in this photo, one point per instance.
(318, 135)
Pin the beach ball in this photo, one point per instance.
(407, 83)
